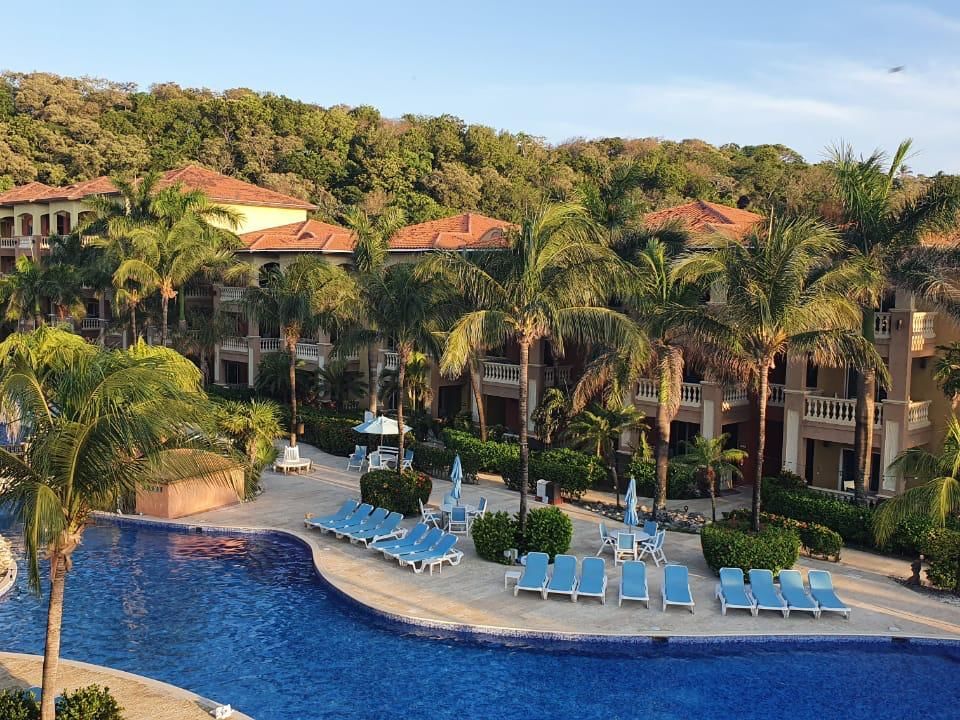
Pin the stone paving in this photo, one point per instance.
(473, 592)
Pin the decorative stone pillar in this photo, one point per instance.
(253, 358)
(895, 424)
(794, 402)
(711, 416)
(217, 365)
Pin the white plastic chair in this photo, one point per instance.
(458, 522)
(430, 517)
(625, 549)
(356, 460)
(654, 548)
(606, 540)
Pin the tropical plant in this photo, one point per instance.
(419, 392)
(550, 284)
(370, 251)
(611, 197)
(300, 300)
(23, 291)
(201, 335)
(598, 430)
(552, 414)
(883, 232)
(101, 424)
(784, 299)
(340, 383)
(273, 376)
(712, 457)
(938, 495)
(252, 428)
(946, 370)
(62, 285)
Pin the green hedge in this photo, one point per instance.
(437, 461)
(816, 539)
(486, 456)
(575, 472)
(494, 533)
(397, 492)
(334, 434)
(16, 704)
(548, 530)
(681, 479)
(88, 703)
(731, 544)
(853, 522)
(942, 550)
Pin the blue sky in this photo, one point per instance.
(805, 75)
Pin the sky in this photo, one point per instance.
(805, 74)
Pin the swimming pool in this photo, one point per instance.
(244, 619)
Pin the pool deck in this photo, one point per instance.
(472, 594)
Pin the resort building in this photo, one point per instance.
(811, 411)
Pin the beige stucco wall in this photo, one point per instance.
(194, 495)
(259, 218)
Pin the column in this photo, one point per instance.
(253, 358)
(217, 366)
(794, 400)
(894, 436)
(711, 415)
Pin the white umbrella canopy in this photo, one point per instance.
(381, 425)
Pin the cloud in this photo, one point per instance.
(925, 17)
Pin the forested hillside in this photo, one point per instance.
(59, 130)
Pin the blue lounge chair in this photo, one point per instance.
(676, 587)
(765, 593)
(358, 457)
(534, 577)
(435, 556)
(348, 507)
(563, 581)
(407, 462)
(367, 523)
(821, 587)
(593, 579)
(791, 587)
(424, 543)
(412, 537)
(389, 528)
(731, 592)
(353, 519)
(633, 583)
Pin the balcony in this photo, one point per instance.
(691, 394)
(8, 242)
(836, 411)
(881, 325)
(268, 345)
(776, 396)
(923, 330)
(556, 376)
(918, 414)
(499, 373)
(735, 397)
(198, 292)
(391, 361)
(93, 324)
(309, 352)
(235, 345)
(230, 294)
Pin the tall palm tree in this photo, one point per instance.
(419, 392)
(713, 458)
(370, 253)
(300, 300)
(610, 196)
(23, 291)
(882, 231)
(598, 429)
(102, 424)
(784, 298)
(938, 498)
(550, 284)
(62, 285)
(404, 310)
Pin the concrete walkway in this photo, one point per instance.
(473, 593)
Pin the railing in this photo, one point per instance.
(235, 344)
(391, 361)
(308, 351)
(647, 390)
(501, 373)
(556, 376)
(734, 397)
(881, 325)
(93, 323)
(26, 241)
(836, 411)
(230, 294)
(197, 292)
(9, 242)
(776, 395)
(691, 394)
(923, 329)
(270, 345)
(918, 414)
(843, 495)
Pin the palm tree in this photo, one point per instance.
(419, 391)
(203, 332)
(882, 231)
(610, 196)
(299, 299)
(252, 427)
(62, 285)
(552, 414)
(598, 429)
(784, 298)
(370, 253)
(102, 424)
(340, 383)
(712, 457)
(938, 498)
(23, 291)
(946, 370)
(550, 284)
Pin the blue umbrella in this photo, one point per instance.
(630, 500)
(456, 475)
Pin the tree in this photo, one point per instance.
(299, 299)
(203, 332)
(340, 383)
(937, 498)
(101, 425)
(550, 284)
(419, 391)
(552, 414)
(403, 310)
(23, 291)
(598, 430)
(883, 232)
(610, 196)
(712, 458)
(784, 299)
(252, 428)
(370, 252)
(946, 370)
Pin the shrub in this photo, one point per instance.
(334, 434)
(487, 456)
(88, 703)
(548, 530)
(492, 534)
(910, 536)
(731, 544)
(575, 472)
(397, 492)
(854, 523)
(681, 479)
(942, 550)
(18, 704)
(433, 460)
(817, 539)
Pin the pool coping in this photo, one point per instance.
(495, 632)
(174, 691)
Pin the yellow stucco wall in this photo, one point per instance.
(259, 218)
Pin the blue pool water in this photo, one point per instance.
(244, 619)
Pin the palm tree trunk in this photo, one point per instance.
(292, 349)
(164, 309)
(866, 406)
(524, 441)
(204, 367)
(372, 378)
(662, 452)
(133, 321)
(182, 308)
(402, 356)
(476, 384)
(51, 649)
(761, 442)
(712, 486)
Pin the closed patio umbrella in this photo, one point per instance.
(456, 475)
(630, 514)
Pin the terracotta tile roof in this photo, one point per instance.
(703, 218)
(301, 237)
(24, 193)
(217, 187)
(459, 232)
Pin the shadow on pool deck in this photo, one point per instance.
(473, 593)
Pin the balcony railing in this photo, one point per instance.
(881, 325)
(197, 292)
(836, 411)
(556, 376)
(270, 345)
(918, 414)
(391, 361)
(776, 395)
(308, 351)
(26, 241)
(691, 394)
(501, 373)
(735, 397)
(923, 329)
(9, 242)
(235, 344)
(230, 294)
(93, 323)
